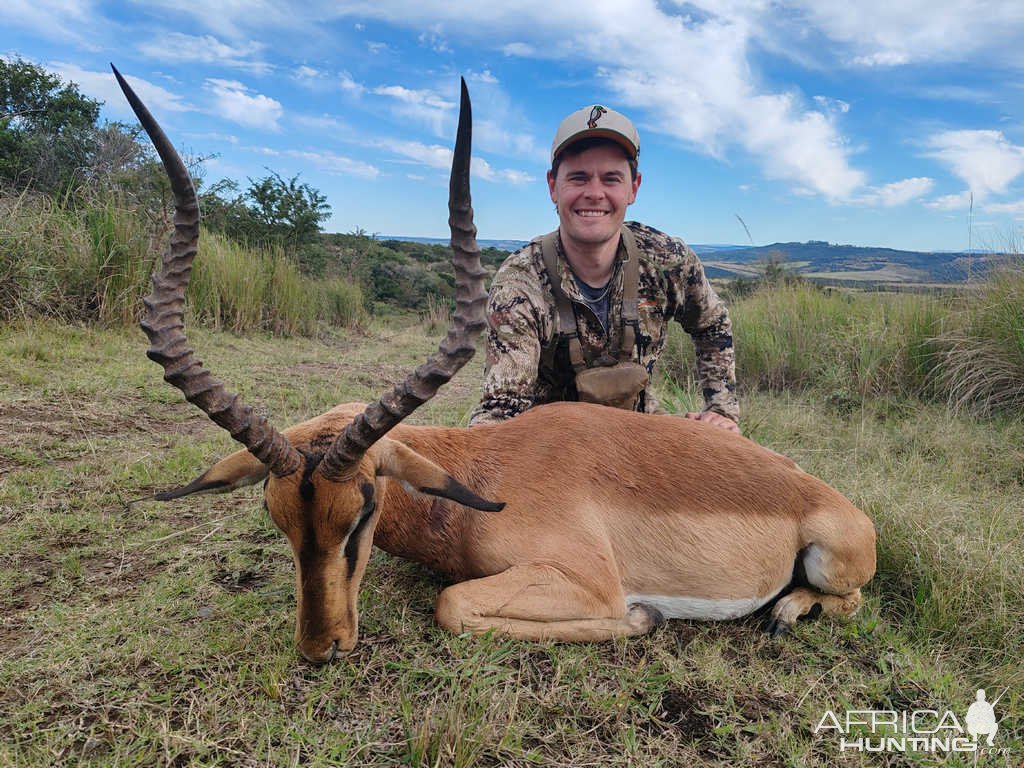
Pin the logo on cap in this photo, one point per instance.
(595, 115)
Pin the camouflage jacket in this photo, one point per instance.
(523, 369)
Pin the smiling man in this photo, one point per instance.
(581, 313)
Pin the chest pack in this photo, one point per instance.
(615, 380)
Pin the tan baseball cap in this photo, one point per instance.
(596, 121)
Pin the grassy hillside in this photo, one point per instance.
(139, 634)
(833, 263)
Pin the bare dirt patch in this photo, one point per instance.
(37, 432)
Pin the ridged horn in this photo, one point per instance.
(164, 322)
(458, 346)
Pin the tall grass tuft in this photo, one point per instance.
(116, 267)
(36, 235)
(979, 356)
(242, 288)
(849, 344)
(93, 262)
(437, 314)
(341, 302)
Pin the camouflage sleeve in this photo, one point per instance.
(513, 349)
(705, 317)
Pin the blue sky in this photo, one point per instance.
(872, 123)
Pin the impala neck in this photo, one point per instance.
(425, 529)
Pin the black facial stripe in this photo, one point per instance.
(352, 545)
(306, 487)
(310, 546)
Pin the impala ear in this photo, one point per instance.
(232, 472)
(395, 459)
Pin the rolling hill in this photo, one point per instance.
(822, 261)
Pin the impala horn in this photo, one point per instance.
(458, 347)
(165, 311)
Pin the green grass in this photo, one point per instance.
(147, 634)
(980, 352)
(963, 348)
(93, 264)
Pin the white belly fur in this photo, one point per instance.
(703, 608)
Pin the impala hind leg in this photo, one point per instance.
(829, 571)
(809, 602)
(542, 603)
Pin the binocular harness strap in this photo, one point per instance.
(566, 317)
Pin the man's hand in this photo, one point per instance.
(716, 419)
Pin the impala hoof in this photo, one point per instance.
(778, 628)
(644, 617)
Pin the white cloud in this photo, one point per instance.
(307, 73)
(440, 157)
(435, 41)
(985, 160)
(482, 77)
(881, 59)
(226, 138)
(205, 49)
(349, 85)
(688, 75)
(235, 102)
(337, 164)
(829, 104)
(483, 170)
(420, 98)
(687, 68)
(493, 136)
(322, 123)
(951, 92)
(431, 155)
(884, 33)
(53, 19)
(523, 50)
(957, 202)
(1013, 209)
(228, 18)
(899, 192)
(422, 106)
(102, 86)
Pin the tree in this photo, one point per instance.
(777, 272)
(290, 212)
(272, 211)
(47, 127)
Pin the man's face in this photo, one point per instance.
(592, 190)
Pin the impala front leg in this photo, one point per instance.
(540, 602)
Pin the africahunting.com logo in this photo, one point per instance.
(918, 730)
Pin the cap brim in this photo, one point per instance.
(597, 133)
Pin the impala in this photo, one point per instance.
(569, 522)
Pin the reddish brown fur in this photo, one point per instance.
(601, 503)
